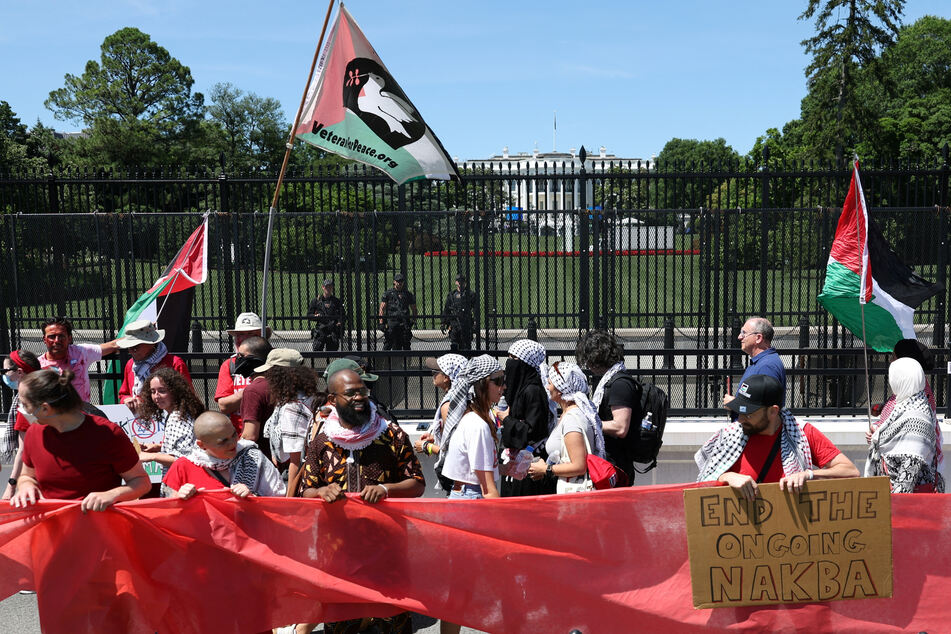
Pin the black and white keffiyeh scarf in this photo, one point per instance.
(142, 369)
(179, 435)
(599, 391)
(903, 447)
(246, 467)
(460, 395)
(452, 365)
(568, 379)
(722, 450)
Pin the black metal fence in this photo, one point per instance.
(672, 260)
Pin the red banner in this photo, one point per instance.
(597, 562)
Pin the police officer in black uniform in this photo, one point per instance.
(458, 315)
(327, 310)
(397, 314)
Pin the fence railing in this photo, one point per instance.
(654, 254)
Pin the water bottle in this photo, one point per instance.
(648, 423)
(502, 405)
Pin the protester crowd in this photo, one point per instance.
(518, 429)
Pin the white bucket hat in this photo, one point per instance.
(141, 331)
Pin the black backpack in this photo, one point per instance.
(644, 445)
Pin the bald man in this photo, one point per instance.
(220, 460)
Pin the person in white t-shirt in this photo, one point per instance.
(471, 458)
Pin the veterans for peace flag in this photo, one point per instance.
(864, 271)
(356, 109)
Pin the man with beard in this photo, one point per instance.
(767, 444)
(355, 450)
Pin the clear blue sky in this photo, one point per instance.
(629, 75)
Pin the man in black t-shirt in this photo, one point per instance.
(617, 396)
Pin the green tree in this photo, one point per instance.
(916, 121)
(253, 128)
(137, 103)
(849, 36)
(691, 155)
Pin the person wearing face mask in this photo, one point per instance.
(530, 416)
(69, 454)
(144, 343)
(256, 403)
(231, 383)
(15, 367)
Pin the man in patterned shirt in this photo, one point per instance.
(355, 450)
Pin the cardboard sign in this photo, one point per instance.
(140, 432)
(831, 541)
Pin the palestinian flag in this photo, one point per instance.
(863, 269)
(356, 109)
(169, 301)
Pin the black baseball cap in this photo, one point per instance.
(756, 392)
(399, 277)
(460, 278)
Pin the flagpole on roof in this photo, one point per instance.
(280, 176)
(863, 248)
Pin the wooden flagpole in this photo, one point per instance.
(860, 200)
(280, 176)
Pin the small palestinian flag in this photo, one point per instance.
(863, 269)
(169, 301)
(356, 109)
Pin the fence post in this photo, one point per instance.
(58, 247)
(735, 327)
(196, 337)
(585, 239)
(668, 342)
(532, 329)
(227, 245)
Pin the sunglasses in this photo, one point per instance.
(358, 391)
(498, 380)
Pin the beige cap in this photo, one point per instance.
(281, 357)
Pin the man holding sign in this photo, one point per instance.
(767, 444)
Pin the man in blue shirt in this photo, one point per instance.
(756, 340)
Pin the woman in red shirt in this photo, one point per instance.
(71, 455)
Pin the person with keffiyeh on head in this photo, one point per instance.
(531, 414)
(767, 444)
(470, 455)
(446, 369)
(905, 445)
(577, 433)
